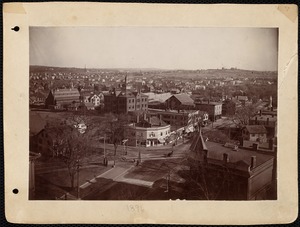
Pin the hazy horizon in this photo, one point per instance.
(51, 66)
(169, 48)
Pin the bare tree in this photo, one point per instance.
(114, 127)
(72, 142)
(243, 114)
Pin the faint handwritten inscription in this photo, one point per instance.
(135, 208)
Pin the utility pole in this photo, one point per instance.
(77, 162)
(104, 153)
(168, 182)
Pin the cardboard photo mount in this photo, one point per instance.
(18, 209)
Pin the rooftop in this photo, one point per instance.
(237, 159)
(256, 129)
(185, 99)
(264, 118)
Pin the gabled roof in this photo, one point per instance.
(36, 123)
(198, 144)
(185, 99)
(256, 129)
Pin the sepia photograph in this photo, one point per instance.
(153, 113)
(129, 113)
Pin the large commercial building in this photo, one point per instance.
(118, 101)
(180, 102)
(214, 109)
(149, 131)
(63, 99)
(182, 118)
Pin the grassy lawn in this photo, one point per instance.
(152, 170)
(62, 180)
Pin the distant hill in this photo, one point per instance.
(189, 74)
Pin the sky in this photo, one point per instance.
(155, 47)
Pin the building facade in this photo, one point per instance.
(255, 133)
(229, 174)
(151, 131)
(181, 118)
(180, 102)
(214, 109)
(125, 101)
(63, 99)
(268, 121)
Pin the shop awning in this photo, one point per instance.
(161, 140)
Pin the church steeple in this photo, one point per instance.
(198, 147)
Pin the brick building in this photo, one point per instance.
(118, 101)
(214, 109)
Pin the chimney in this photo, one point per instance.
(267, 121)
(144, 116)
(225, 158)
(138, 118)
(160, 119)
(253, 162)
(256, 120)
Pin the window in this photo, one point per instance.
(161, 133)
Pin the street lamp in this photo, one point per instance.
(125, 146)
(139, 159)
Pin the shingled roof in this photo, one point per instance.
(185, 99)
(198, 144)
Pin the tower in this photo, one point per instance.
(270, 102)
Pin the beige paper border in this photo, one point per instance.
(16, 86)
